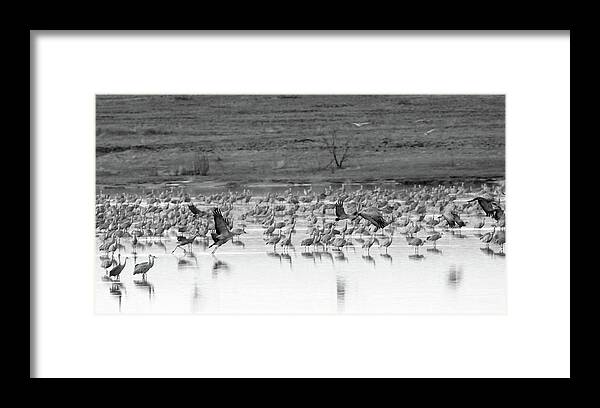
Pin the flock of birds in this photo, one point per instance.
(335, 218)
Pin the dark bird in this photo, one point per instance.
(187, 241)
(374, 217)
(222, 232)
(488, 206)
(371, 214)
(144, 267)
(116, 271)
(194, 209)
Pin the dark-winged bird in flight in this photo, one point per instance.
(222, 232)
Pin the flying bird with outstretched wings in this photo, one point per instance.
(370, 214)
(222, 232)
(360, 124)
(373, 215)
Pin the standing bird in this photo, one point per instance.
(144, 267)
(274, 240)
(287, 242)
(116, 271)
(369, 242)
(385, 244)
(434, 237)
(415, 242)
(222, 232)
(487, 237)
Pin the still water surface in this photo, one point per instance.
(460, 276)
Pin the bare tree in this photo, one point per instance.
(339, 153)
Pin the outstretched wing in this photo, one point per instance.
(220, 224)
(193, 209)
(374, 217)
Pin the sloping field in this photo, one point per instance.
(267, 138)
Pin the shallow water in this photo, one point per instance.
(460, 276)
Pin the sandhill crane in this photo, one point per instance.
(486, 205)
(373, 215)
(194, 209)
(369, 242)
(184, 242)
(144, 267)
(307, 242)
(222, 232)
(274, 240)
(487, 237)
(434, 237)
(287, 242)
(238, 231)
(116, 271)
(385, 244)
(414, 242)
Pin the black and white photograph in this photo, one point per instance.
(300, 204)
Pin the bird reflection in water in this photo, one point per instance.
(324, 254)
(416, 257)
(308, 255)
(340, 256)
(161, 244)
(218, 267)
(454, 276)
(340, 284)
(458, 234)
(117, 289)
(387, 257)
(369, 259)
(487, 251)
(188, 259)
(196, 298)
(238, 243)
(287, 258)
(145, 285)
(275, 255)
(434, 251)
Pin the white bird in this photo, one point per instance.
(429, 131)
(359, 124)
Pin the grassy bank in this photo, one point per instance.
(151, 140)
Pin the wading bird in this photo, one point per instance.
(434, 237)
(116, 271)
(385, 244)
(144, 267)
(414, 242)
(222, 232)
